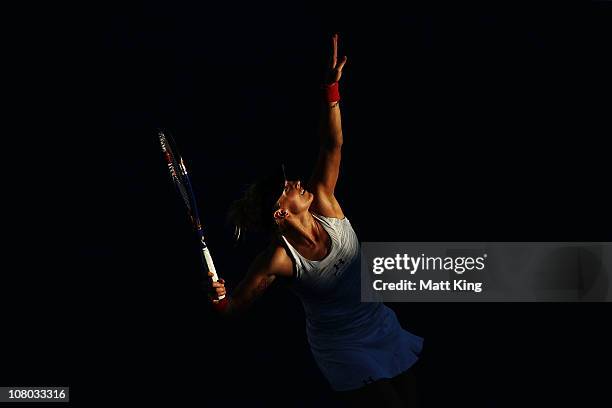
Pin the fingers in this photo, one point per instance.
(218, 287)
(210, 275)
(218, 283)
(341, 64)
(335, 50)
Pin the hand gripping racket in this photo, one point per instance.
(178, 173)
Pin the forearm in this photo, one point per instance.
(245, 294)
(330, 129)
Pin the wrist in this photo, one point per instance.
(220, 306)
(331, 92)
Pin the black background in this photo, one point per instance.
(462, 122)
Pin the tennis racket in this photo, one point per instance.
(178, 174)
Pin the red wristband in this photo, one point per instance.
(332, 94)
(221, 305)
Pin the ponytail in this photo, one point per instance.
(254, 211)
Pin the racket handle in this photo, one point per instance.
(211, 266)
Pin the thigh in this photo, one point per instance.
(380, 393)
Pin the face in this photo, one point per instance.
(295, 198)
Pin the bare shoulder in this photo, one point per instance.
(326, 204)
(274, 260)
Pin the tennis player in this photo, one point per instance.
(360, 347)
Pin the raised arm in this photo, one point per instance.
(327, 168)
(268, 265)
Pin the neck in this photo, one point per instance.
(302, 230)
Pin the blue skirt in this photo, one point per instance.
(378, 349)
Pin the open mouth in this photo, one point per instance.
(303, 191)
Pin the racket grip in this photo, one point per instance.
(211, 266)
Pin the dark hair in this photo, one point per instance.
(253, 212)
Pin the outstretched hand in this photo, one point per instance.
(335, 67)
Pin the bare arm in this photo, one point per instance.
(327, 168)
(268, 265)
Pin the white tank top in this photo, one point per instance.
(330, 289)
(352, 342)
(323, 275)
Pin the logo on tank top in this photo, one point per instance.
(337, 265)
(369, 380)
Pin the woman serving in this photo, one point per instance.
(360, 347)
